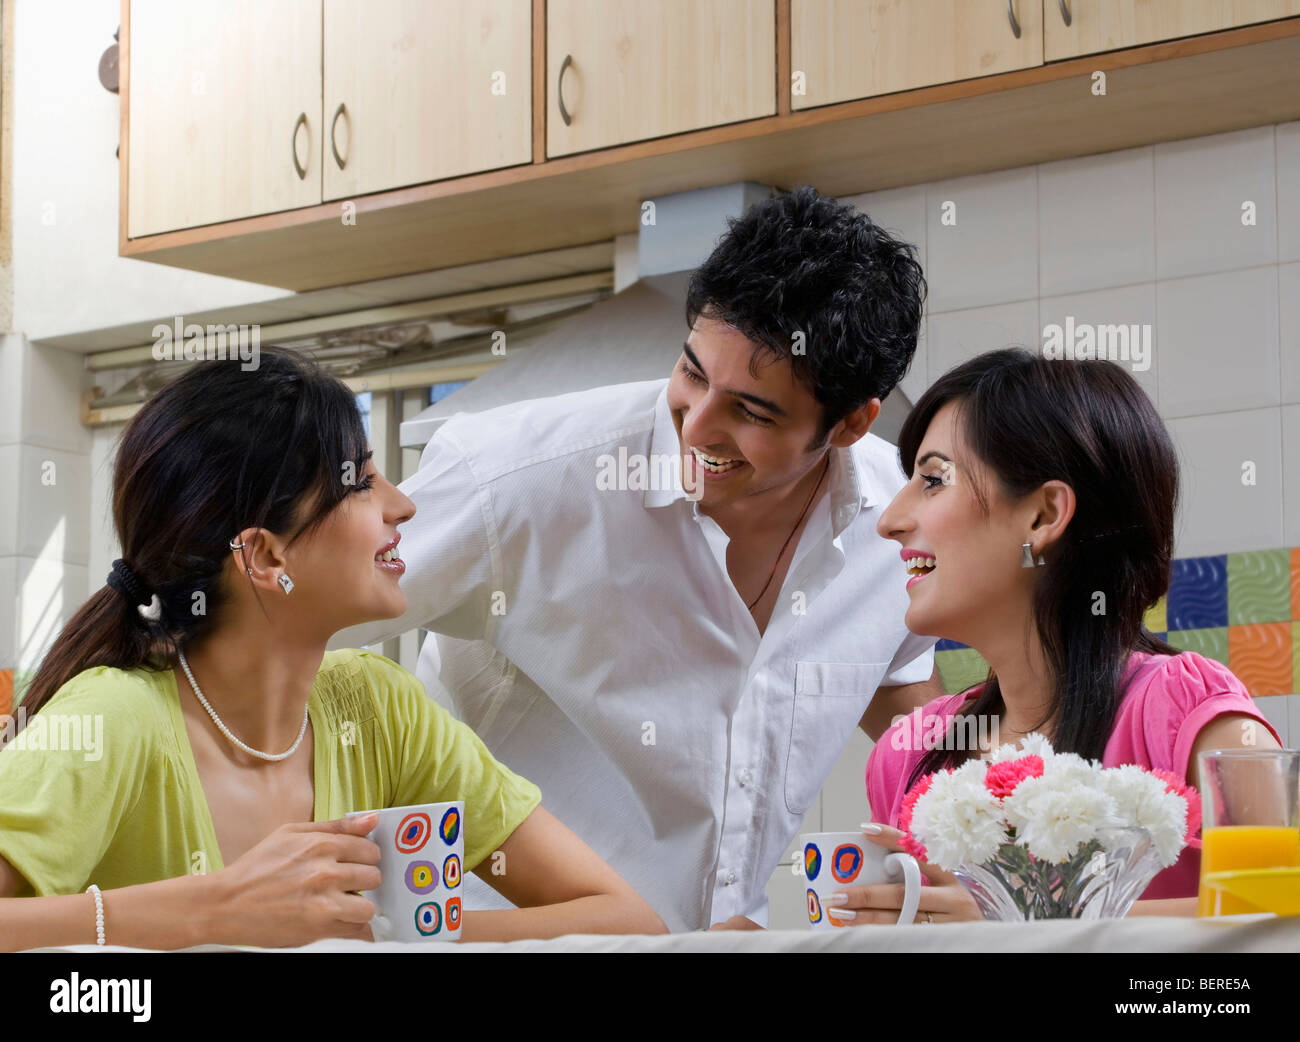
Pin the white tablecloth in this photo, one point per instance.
(1255, 933)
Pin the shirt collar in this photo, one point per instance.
(851, 488)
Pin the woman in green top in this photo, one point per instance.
(218, 744)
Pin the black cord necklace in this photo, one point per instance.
(797, 523)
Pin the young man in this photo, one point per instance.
(678, 666)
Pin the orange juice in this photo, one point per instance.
(1239, 847)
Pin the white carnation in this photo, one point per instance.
(1053, 815)
(1071, 769)
(1142, 800)
(958, 820)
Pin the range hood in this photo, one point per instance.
(636, 334)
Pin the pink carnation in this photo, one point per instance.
(1175, 784)
(1002, 778)
(909, 843)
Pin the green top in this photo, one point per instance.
(101, 786)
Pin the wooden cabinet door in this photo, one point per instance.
(224, 111)
(1108, 25)
(846, 49)
(634, 69)
(429, 88)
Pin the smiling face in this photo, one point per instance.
(976, 580)
(339, 573)
(743, 434)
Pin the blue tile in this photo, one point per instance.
(1198, 593)
(948, 645)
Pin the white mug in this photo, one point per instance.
(422, 853)
(834, 861)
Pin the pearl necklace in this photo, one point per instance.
(226, 731)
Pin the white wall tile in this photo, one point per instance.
(8, 612)
(1288, 327)
(917, 378)
(1127, 306)
(1201, 185)
(51, 413)
(956, 336)
(1288, 191)
(844, 796)
(1291, 482)
(102, 547)
(1276, 709)
(990, 254)
(1219, 342)
(54, 496)
(12, 346)
(49, 593)
(9, 506)
(1096, 222)
(1218, 513)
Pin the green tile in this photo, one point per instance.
(961, 668)
(1259, 587)
(1212, 643)
(1295, 660)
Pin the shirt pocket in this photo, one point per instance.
(829, 700)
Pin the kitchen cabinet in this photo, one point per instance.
(846, 49)
(627, 70)
(420, 90)
(225, 111)
(1108, 25)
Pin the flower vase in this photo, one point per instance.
(1101, 880)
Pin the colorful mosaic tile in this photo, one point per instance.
(1198, 593)
(1156, 618)
(961, 668)
(1260, 655)
(1211, 642)
(1259, 588)
(1241, 609)
(6, 691)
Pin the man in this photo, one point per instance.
(678, 663)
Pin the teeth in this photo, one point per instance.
(920, 565)
(388, 555)
(715, 464)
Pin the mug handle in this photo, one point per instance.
(904, 864)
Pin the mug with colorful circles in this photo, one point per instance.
(421, 853)
(830, 862)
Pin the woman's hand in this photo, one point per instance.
(297, 886)
(944, 901)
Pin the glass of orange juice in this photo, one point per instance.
(1250, 836)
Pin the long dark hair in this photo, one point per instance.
(217, 450)
(1030, 420)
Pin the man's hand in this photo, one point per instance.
(898, 700)
(736, 922)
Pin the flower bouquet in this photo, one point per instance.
(1037, 834)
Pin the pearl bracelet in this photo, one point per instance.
(93, 890)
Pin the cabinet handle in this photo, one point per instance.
(1065, 11)
(301, 121)
(559, 89)
(1011, 14)
(340, 111)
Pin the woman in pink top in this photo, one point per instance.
(1038, 523)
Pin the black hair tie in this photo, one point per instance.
(128, 584)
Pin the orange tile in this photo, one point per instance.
(1260, 655)
(1295, 583)
(6, 691)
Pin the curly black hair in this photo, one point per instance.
(801, 263)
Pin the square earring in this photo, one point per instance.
(285, 583)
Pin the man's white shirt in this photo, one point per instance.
(593, 639)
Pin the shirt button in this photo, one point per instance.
(730, 878)
(744, 777)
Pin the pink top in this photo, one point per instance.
(1167, 700)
